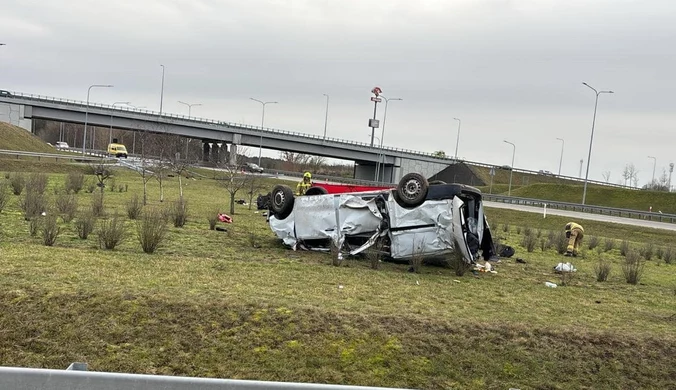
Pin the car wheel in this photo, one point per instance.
(412, 190)
(281, 201)
(316, 190)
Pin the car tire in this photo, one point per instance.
(316, 190)
(412, 190)
(281, 201)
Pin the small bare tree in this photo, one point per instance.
(102, 172)
(179, 164)
(255, 184)
(233, 179)
(606, 176)
(143, 168)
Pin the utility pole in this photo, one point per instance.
(373, 123)
(326, 117)
(580, 174)
(162, 90)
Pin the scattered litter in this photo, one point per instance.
(43, 214)
(224, 218)
(340, 286)
(417, 282)
(456, 280)
(255, 212)
(494, 272)
(520, 260)
(550, 284)
(565, 267)
(221, 229)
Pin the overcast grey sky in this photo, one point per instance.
(510, 69)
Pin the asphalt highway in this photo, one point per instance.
(588, 216)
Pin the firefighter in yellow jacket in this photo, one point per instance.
(304, 184)
(574, 233)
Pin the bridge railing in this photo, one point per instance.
(212, 122)
(611, 211)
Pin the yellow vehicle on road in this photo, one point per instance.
(117, 150)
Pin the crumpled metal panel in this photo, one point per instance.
(433, 226)
(284, 229)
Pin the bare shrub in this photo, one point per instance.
(74, 182)
(417, 257)
(539, 233)
(66, 204)
(668, 255)
(85, 225)
(50, 230)
(594, 241)
(91, 187)
(529, 242)
(4, 195)
(647, 251)
(659, 252)
(457, 263)
(37, 182)
(34, 225)
(373, 255)
(111, 232)
(560, 242)
(134, 207)
(212, 217)
(505, 228)
(624, 248)
(609, 244)
(17, 181)
(151, 229)
(633, 267)
(518, 230)
(120, 188)
(97, 206)
(32, 203)
(602, 271)
(527, 231)
(252, 237)
(551, 236)
(179, 212)
(543, 244)
(111, 184)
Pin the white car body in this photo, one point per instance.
(353, 222)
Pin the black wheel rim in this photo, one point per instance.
(412, 189)
(279, 199)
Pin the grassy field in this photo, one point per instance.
(602, 196)
(16, 138)
(237, 304)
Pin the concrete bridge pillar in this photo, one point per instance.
(215, 151)
(232, 157)
(206, 150)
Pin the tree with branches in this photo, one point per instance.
(233, 179)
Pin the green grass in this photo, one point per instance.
(15, 138)
(602, 196)
(209, 304)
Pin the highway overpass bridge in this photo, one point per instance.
(19, 109)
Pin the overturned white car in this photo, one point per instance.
(415, 218)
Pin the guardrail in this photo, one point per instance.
(651, 216)
(76, 377)
(442, 160)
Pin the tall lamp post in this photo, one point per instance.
(591, 140)
(511, 170)
(326, 117)
(133, 145)
(381, 155)
(190, 106)
(84, 138)
(162, 90)
(260, 146)
(561, 159)
(652, 183)
(457, 141)
(110, 132)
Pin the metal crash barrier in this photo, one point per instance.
(76, 377)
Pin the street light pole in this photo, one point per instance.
(591, 140)
(381, 155)
(162, 90)
(110, 132)
(652, 183)
(190, 106)
(84, 138)
(511, 170)
(457, 141)
(326, 117)
(260, 146)
(133, 145)
(561, 159)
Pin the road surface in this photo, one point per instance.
(579, 215)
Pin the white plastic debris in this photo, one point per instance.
(565, 267)
(417, 282)
(550, 284)
(340, 286)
